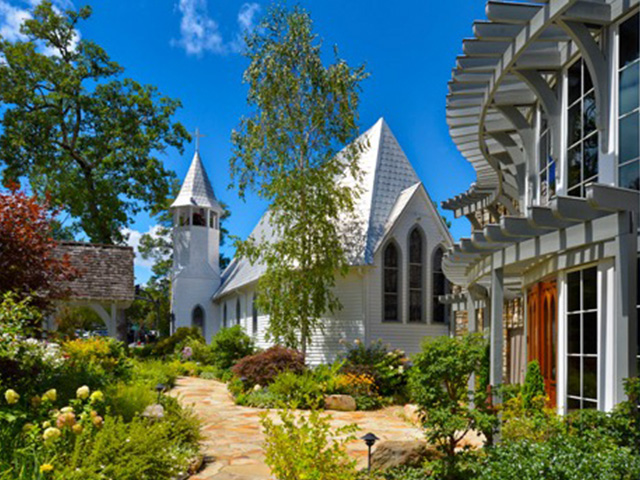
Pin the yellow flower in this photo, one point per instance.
(11, 396)
(97, 396)
(66, 410)
(46, 424)
(51, 434)
(83, 392)
(66, 420)
(50, 395)
(26, 427)
(77, 429)
(46, 468)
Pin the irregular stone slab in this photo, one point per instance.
(342, 403)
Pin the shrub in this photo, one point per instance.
(230, 345)
(262, 398)
(537, 423)
(106, 356)
(169, 345)
(155, 372)
(387, 367)
(563, 457)
(533, 384)
(128, 400)
(307, 447)
(357, 385)
(130, 451)
(297, 391)
(263, 367)
(439, 385)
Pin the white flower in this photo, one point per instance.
(83, 392)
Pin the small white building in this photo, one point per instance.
(390, 293)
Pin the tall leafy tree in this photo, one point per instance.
(29, 264)
(286, 151)
(80, 131)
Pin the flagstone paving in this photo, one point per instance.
(233, 438)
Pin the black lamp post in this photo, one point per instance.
(369, 439)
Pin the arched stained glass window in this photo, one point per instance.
(254, 316)
(197, 318)
(224, 316)
(416, 276)
(440, 287)
(237, 311)
(391, 283)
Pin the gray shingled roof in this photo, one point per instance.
(196, 189)
(106, 271)
(388, 183)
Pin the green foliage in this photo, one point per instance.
(306, 446)
(128, 400)
(439, 383)
(156, 372)
(388, 367)
(79, 131)
(297, 390)
(17, 317)
(263, 367)
(230, 345)
(562, 457)
(286, 151)
(130, 451)
(533, 384)
(535, 422)
(168, 346)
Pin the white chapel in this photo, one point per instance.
(391, 292)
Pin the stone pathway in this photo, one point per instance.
(233, 438)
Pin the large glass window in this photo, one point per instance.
(547, 164)
(582, 341)
(582, 135)
(440, 287)
(197, 318)
(254, 316)
(416, 276)
(224, 316)
(628, 106)
(391, 283)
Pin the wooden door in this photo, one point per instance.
(542, 335)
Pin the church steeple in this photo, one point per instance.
(196, 189)
(196, 247)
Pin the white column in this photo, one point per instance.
(496, 333)
(626, 246)
(472, 314)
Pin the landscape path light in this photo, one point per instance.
(369, 439)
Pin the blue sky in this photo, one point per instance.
(189, 49)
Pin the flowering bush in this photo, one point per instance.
(106, 356)
(387, 367)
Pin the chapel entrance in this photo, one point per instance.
(542, 332)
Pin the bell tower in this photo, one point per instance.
(196, 246)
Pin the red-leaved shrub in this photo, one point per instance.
(262, 368)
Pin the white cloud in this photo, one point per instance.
(200, 33)
(11, 18)
(133, 240)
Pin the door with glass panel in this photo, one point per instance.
(542, 332)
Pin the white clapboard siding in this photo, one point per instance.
(346, 325)
(403, 335)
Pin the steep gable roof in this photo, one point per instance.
(386, 175)
(196, 189)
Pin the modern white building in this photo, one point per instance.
(544, 103)
(395, 248)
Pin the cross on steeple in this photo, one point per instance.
(198, 136)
